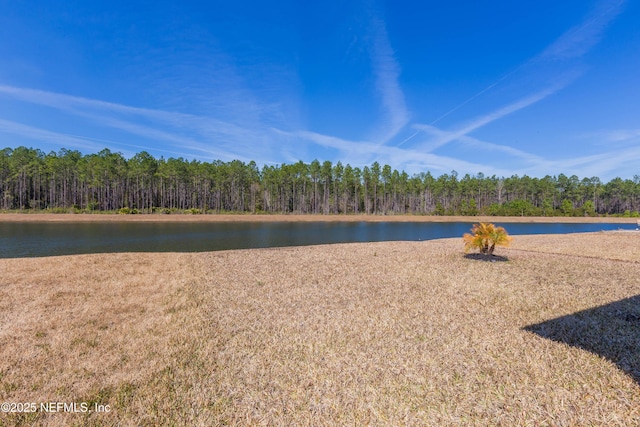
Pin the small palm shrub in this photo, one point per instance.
(485, 237)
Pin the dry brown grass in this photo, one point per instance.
(394, 333)
(615, 245)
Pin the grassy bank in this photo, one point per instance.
(395, 333)
(49, 217)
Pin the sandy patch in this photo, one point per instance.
(13, 217)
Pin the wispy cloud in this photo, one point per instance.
(409, 160)
(76, 104)
(445, 137)
(528, 158)
(213, 137)
(580, 39)
(40, 135)
(243, 121)
(619, 135)
(387, 73)
(574, 43)
(73, 141)
(604, 165)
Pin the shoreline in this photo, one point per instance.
(49, 217)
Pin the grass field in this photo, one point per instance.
(393, 333)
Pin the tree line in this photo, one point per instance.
(106, 181)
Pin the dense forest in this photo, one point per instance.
(106, 181)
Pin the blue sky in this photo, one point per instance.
(496, 87)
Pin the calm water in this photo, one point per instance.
(46, 239)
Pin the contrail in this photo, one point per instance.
(467, 101)
(574, 43)
(477, 94)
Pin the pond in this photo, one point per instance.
(36, 239)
